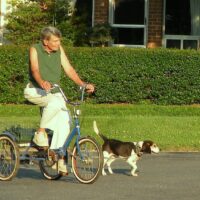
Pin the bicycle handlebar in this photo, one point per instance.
(82, 88)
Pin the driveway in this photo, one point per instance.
(166, 176)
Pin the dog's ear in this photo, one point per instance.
(148, 142)
(146, 147)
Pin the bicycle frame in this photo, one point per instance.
(76, 130)
(86, 155)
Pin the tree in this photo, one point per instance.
(82, 21)
(25, 22)
(100, 35)
(28, 18)
(59, 13)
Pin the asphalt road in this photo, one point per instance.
(166, 176)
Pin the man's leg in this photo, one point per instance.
(56, 117)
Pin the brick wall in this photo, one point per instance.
(155, 23)
(101, 11)
(154, 38)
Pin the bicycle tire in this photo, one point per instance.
(47, 171)
(9, 158)
(87, 170)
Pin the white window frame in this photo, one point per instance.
(2, 21)
(181, 38)
(144, 26)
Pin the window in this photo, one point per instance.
(182, 24)
(128, 17)
(177, 17)
(129, 12)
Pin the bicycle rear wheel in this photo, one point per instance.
(9, 158)
(87, 163)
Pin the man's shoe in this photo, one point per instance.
(62, 167)
(41, 139)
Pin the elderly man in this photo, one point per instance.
(45, 62)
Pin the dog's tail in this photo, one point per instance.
(96, 130)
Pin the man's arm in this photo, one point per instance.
(71, 73)
(35, 70)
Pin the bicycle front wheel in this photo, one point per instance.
(9, 158)
(87, 162)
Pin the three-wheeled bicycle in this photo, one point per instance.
(86, 155)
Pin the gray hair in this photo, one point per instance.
(47, 32)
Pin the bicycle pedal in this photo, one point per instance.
(39, 148)
(52, 155)
(64, 174)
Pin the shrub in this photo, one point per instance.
(121, 75)
(100, 35)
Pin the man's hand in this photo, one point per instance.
(89, 88)
(46, 85)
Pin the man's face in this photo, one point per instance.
(53, 44)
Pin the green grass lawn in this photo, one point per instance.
(173, 128)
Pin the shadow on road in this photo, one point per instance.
(34, 173)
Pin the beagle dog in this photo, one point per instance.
(128, 151)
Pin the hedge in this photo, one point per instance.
(121, 75)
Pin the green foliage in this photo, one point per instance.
(59, 10)
(121, 75)
(80, 31)
(13, 67)
(126, 75)
(28, 18)
(100, 35)
(68, 33)
(62, 20)
(25, 23)
(81, 21)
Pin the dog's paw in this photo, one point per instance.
(134, 174)
(110, 171)
(104, 173)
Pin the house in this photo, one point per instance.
(151, 23)
(145, 23)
